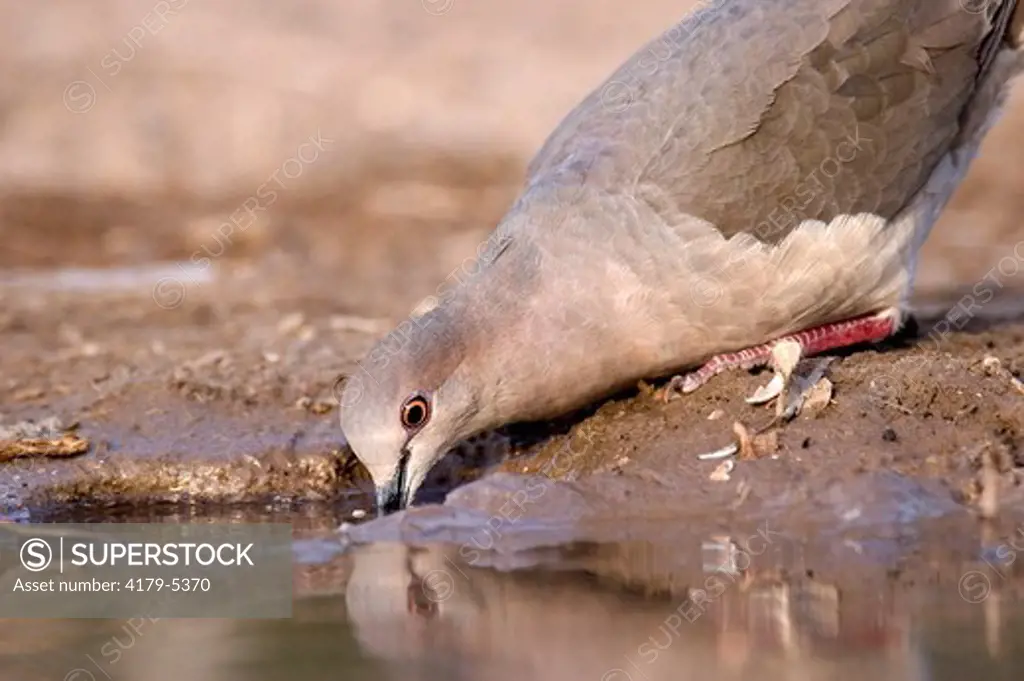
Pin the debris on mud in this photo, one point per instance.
(748, 446)
(197, 403)
(58, 448)
(755, 445)
(271, 478)
(818, 397)
(208, 378)
(47, 438)
(318, 407)
(721, 474)
(994, 367)
(727, 451)
(49, 427)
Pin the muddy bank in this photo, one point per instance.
(209, 393)
(208, 374)
(235, 425)
(210, 379)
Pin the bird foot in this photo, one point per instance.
(868, 329)
(785, 355)
(808, 387)
(791, 388)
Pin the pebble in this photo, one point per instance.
(721, 474)
(290, 323)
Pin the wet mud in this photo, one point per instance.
(201, 369)
(208, 377)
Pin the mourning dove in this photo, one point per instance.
(765, 169)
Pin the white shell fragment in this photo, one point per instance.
(723, 453)
(994, 367)
(818, 396)
(721, 474)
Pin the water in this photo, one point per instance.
(694, 604)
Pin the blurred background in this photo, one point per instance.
(130, 130)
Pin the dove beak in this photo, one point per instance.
(391, 495)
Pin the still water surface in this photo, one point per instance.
(618, 611)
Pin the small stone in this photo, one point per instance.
(818, 397)
(290, 323)
(321, 407)
(721, 474)
(317, 407)
(755, 446)
(994, 367)
(358, 513)
(889, 435)
(715, 415)
(26, 394)
(991, 364)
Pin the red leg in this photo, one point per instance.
(869, 329)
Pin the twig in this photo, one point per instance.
(65, 446)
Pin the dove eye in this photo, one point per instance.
(415, 412)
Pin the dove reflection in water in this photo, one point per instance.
(420, 607)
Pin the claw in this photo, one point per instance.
(680, 385)
(791, 389)
(767, 393)
(812, 388)
(671, 389)
(786, 355)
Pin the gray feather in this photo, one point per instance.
(744, 113)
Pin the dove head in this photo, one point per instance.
(407, 403)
